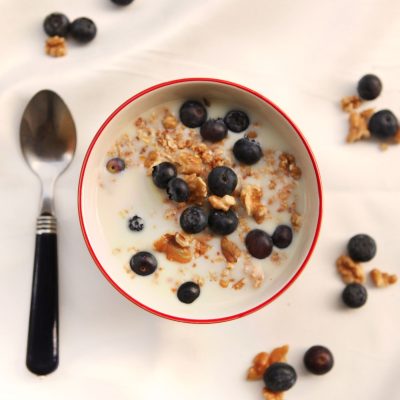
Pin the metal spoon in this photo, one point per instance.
(48, 141)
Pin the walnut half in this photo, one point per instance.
(349, 270)
(251, 198)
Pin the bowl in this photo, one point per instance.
(220, 309)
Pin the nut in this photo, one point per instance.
(358, 126)
(350, 103)
(295, 217)
(263, 360)
(272, 395)
(200, 246)
(151, 159)
(197, 188)
(189, 163)
(251, 198)
(183, 239)
(169, 122)
(349, 270)
(167, 244)
(239, 284)
(230, 250)
(222, 203)
(382, 279)
(56, 46)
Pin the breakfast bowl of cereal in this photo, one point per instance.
(199, 200)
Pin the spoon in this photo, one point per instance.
(48, 141)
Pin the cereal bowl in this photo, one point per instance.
(123, 213)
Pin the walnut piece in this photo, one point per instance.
(230, 250)
(272, 395)
(189, 163)
(183, 239)
(350, 103)
(287, 164)
(201, 246)
(382, 279)
(222, 203)
(168, 244)
(152, 159)
(239, 284)
(197, 188)
(295, 217)
(169, 122)
(349, 270)
(56, 46)
(251, 199)
(358, 126)
(263, 360)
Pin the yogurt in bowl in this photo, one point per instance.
(199, 200)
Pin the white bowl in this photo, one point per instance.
(99, 248)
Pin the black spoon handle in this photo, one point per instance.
(42, 352)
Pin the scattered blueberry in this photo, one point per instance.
(214, 130)
(354, 295)
(383, 124)
(188, 292)
(136, 223)
(223, 222)
(122, 2)
(192, 114)
(361, 247)
(193, 219)
(237, 121)
(178, 190)
(162, 173)
(369, 87)
(259, 243)
(248, 151)
(222, 181)
(83, 30)
(115, 165)
(279, 377)
(143, 263)
(318, 360)
(282, 237)
(56, 24)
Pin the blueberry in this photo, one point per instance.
(188, 292)
(83, 30)
(361, 247)
(143, 263)
(193, 219)
(222, 181)
(56, 24)
(192, 114)
(383, 124)
(237, 121)
(223, 222)
(136, 223)
(162, 173)
(318, 360)
(369, 87)
(213, 130)
(279, 377)
(259, 243)
(178, 190)
(282, 237)
(115, 165)
(122, 2)
(247, 151)
(354, 295)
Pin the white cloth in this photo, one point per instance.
(305, 56)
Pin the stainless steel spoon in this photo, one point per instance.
(48, 141)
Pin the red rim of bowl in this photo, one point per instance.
(172, 317)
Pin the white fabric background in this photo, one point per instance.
(305, 56)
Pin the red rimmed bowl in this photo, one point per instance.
(217, 310)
